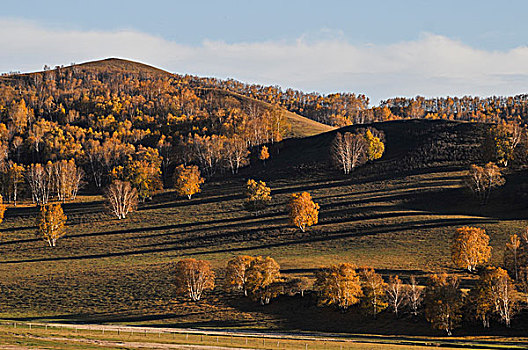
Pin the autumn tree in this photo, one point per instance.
(264, 154)
(295, 286)
(443, 302)
(511, 255)
(122, 198)
(396, 294)
(505, 295)
(14, 179)
(143, 171)
(193, 277)
(349, 151)
(51, 223)
(236, 154)
(236, 273)
(414, 295)
(258, 195)
(470, 248)
(338, 285)
(304, 211)
(3, 209)
(481, 299)
(481, 180)
(373, 287)
(374, 144)
(187, 180)
(262, 276)
(40, 181)
(500, 142)
(67, 179)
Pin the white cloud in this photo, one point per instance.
(432, 65)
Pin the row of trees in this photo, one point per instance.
(343, 286)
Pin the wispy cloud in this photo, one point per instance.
(431, 65)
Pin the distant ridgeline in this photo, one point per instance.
(342, 109)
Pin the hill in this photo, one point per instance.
(399, 222)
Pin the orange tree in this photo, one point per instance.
(303, 210)
(470, 247)
(187, 180)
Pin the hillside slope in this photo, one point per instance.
(409, 145)
(301, 126)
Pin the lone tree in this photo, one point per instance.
(373, 286)
(193, 277)
(262, 276)
(187, 180)
(122, 198)
(236, 273)
(338, 285)
(264, 154)
(303, 210)
(51, 223)
(470, 248)
(375, 146)
(481, 180)
(258, 195)
(443, 302)
(415, 295)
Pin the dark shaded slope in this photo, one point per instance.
(410, 145)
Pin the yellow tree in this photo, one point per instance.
(14, 180)
(261, 276)
(193, 277)
(236, 273)
(304, 211)
(470, 247)
(3, 208)
(187, 180)
(373, 286)
(264, 154)
(258, 195)
(443, 302)
(375, 147)
(505, 295)
(51, 223)
(338, 285)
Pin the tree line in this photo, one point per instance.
(343, 286)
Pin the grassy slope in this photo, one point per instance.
(108, 270)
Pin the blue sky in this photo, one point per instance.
(381, 48)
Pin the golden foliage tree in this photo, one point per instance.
(505, 295)
(264, 154)
(258, 195)
(373, 287)
(338, 285)
(3, 209)
(262, 276)
(187, 180)
(443, 302)
(193, 277)
(51, 223)
(67, 179)
(14, 179)
(304, 211)
(470, 248)
(481, 180)
(122, 198)
(375, 146)
(236, 273)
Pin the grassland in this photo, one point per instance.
(120, 272)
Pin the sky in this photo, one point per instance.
(379, 48)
